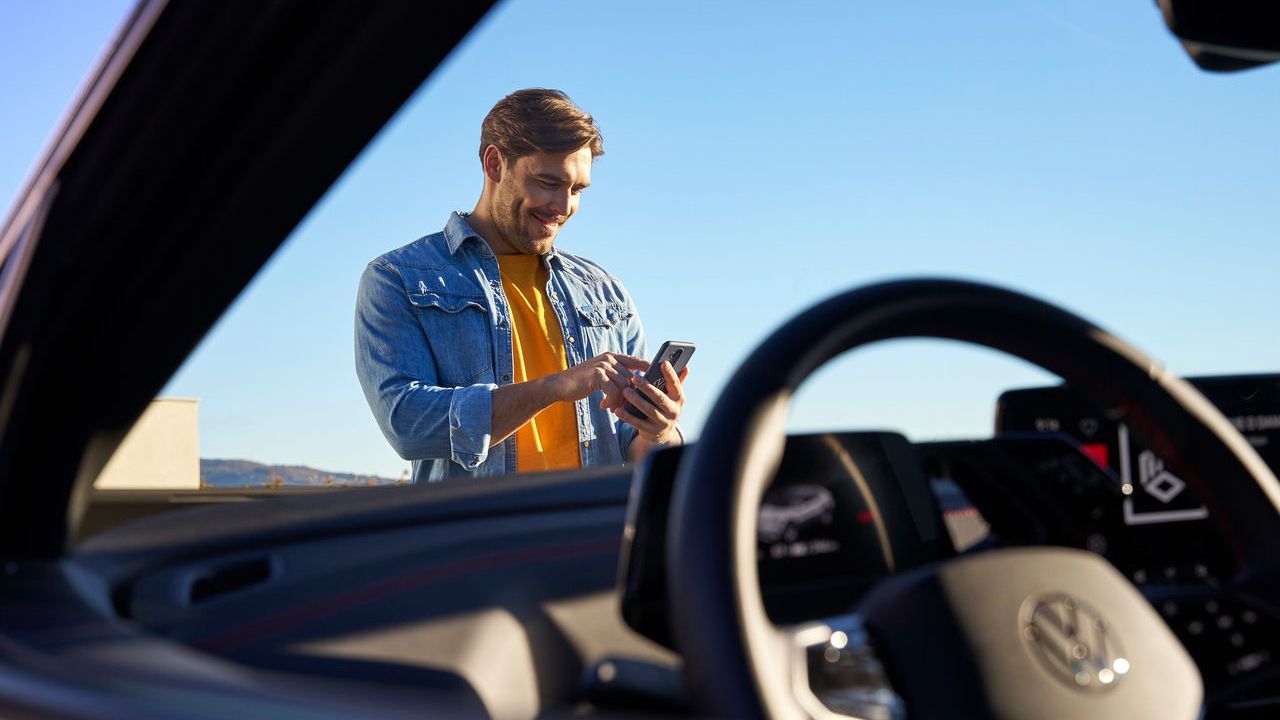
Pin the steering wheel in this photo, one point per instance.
(1014, 633)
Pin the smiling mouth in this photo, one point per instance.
(552, 222)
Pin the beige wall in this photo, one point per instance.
(162, 451)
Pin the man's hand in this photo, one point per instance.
(659, 411)
(610, 372)
(516, 404)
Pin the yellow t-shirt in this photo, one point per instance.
(550, 440)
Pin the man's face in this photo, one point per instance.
(535, 196)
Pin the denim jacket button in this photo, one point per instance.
(505, 377)
(570, 338)
(586, 443)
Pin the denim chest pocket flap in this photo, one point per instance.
(603, 314)
(447, 302)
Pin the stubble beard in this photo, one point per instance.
(512, 225)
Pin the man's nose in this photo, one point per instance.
(563, 202)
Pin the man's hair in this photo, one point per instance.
(539, 120)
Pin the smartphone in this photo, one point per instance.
(673, 351)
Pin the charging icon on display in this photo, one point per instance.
(1158, 482)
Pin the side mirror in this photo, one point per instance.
(1225, 35)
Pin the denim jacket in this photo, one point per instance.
(433, 340)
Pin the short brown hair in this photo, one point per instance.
(539, 120)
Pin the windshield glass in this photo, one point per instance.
(757, 160)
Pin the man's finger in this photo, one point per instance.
(639, 422)
(640, 402)
(662, 416)
(675, 385)
(617, 378)
(660, 401)
(631, 362)
(617, 384)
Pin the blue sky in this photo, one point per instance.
(758, 161)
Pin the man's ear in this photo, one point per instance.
(492, 163)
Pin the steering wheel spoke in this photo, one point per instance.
(836, 674)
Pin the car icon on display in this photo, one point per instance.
(786, 511)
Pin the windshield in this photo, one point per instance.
(757, 161)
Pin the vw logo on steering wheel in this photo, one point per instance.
(1072, 642)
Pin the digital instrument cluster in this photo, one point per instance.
(844, 510)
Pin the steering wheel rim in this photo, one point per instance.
(716, 607)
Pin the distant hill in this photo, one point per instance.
(245, 473)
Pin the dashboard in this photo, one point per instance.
(847, 509)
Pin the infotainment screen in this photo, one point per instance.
(1168, 539)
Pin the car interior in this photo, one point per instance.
(1107, 552)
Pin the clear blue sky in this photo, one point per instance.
(758, 161)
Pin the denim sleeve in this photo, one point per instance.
(632, 344)
(399, 377)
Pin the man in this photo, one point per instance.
(484, 349)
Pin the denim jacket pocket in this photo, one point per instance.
(602, 325)
(458, 332)
(603, 314)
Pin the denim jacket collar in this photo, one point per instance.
(458, 230)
